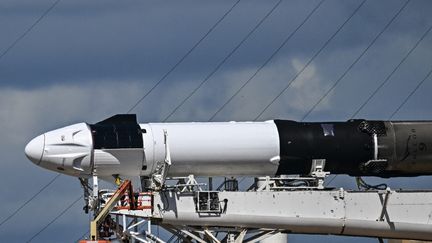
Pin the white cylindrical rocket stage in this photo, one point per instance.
(214, 148)
(119, 146)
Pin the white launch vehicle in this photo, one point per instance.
(120, 147)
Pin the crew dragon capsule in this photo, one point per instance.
(119, 146)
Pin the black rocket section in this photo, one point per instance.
(345, 146)
(119, 131)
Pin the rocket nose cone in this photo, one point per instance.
(34, 149)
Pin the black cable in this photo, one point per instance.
(29, 200)
(411, 94)
(184, 56)
(224, 60)
(10, 47)
(268, 59)
(310, 60)
(391, 74)
(55, 219)
(355, 62)
(7, 50)
(29, 29)
(361, 184)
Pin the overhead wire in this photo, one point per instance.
(29, 200)
(311, 59)
(184, 56)
(54, 219)
(410, 95)
(222, 62)
(30, 28)
(356, 60)
(3, 54)
(275, 52)
(391, 74)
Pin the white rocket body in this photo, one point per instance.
(204, 149)
(214, 149)
(119, 146)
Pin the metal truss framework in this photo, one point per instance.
(273, 206)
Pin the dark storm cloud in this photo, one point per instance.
(134, 42)
(140, 40)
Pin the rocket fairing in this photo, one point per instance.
(119, 146)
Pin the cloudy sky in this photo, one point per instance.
(88, 60)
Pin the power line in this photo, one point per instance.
(224, 60)
(351, 66)
(268, 59)
(391, 74)
(3, 54)
(13, 44)
(29, 200)
(184, 56)
(356, 61)
(410, 95)
(55, 219)
(310, 60)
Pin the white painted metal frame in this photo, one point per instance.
(386, 214)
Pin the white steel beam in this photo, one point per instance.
(339, 212)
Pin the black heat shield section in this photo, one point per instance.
(344, 146)
(117, 132)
